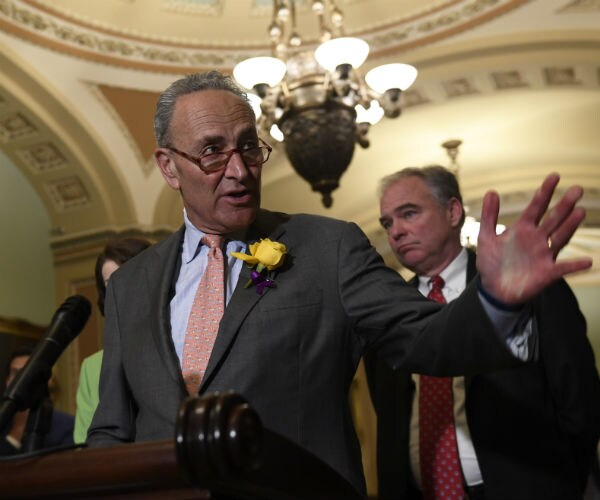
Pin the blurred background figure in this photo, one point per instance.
(13, 437)
(114, 255)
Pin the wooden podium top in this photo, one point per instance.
(220, 451)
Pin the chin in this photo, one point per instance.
(241, 218)
(408, 262)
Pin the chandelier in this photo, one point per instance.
(316, 101)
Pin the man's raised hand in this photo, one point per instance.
(519, 263)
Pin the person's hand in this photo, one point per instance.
(519, 263)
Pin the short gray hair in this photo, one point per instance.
(441, 181)
(212, 80)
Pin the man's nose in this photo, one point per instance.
(397, 228)
(236, 167)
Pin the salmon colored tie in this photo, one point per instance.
(441, 477)
(205, 316)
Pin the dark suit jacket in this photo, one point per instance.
(292, 351)
(534, 427)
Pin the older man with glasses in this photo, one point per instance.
(280, 308)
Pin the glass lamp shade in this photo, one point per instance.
(371, 115)
(255, 103)
(255, 70)
(276, 133)
(344, 50)
(391, 76)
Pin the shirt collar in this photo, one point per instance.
(453, 274)
(193, 236)
(191, 239)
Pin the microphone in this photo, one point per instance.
(32, 381)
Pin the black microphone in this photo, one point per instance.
(32, 380)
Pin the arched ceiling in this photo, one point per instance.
(518, 81)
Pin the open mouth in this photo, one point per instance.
(239, 197)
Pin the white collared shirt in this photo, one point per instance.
(455, 278)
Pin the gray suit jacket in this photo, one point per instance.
(292, 351)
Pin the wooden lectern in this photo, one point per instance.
(221, 451)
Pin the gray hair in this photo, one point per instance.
(212, 80)
(441, 181)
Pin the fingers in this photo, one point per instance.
(562, 210)
(562, 234)
(489, 215)
(541, 199)
(564, 267)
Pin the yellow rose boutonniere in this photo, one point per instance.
(264, 254)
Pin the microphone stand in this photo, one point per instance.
(38, 422)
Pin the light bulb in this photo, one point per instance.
(318, 7)
(337, 17)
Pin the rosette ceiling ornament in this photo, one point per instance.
(316, 101)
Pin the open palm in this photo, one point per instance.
(519, 263)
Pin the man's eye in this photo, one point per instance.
(409, 214)
(249, 145)
(386, 224)
(210, 150)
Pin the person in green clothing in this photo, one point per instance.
(113, 256)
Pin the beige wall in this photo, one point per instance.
(26, 269)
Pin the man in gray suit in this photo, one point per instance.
(291, 342)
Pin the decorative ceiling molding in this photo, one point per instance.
(541, 76)
(67, 193)
(202, 7)
(435, 26)
(15, 125)
(513, 203)
(42, 157)
(54, 150)
(64, 247)
(580, 6)
(38, 23)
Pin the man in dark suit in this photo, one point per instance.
(12, 437)
(525, 433)
(289, 343)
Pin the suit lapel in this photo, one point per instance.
(243, 300)
(471, 274)
(471, 265)
(167, 256)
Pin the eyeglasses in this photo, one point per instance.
(213, 162)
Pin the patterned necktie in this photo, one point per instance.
(205, 316)
(441, 477)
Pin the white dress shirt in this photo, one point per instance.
(455, 279)
(515, 327)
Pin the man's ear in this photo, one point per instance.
(455, 211)
(167, 168)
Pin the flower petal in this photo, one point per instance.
(245, 257)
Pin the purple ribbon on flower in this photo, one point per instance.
(261, 282)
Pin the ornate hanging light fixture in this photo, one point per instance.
(317, 102)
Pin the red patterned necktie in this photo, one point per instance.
(205, 316)
(441, 477)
